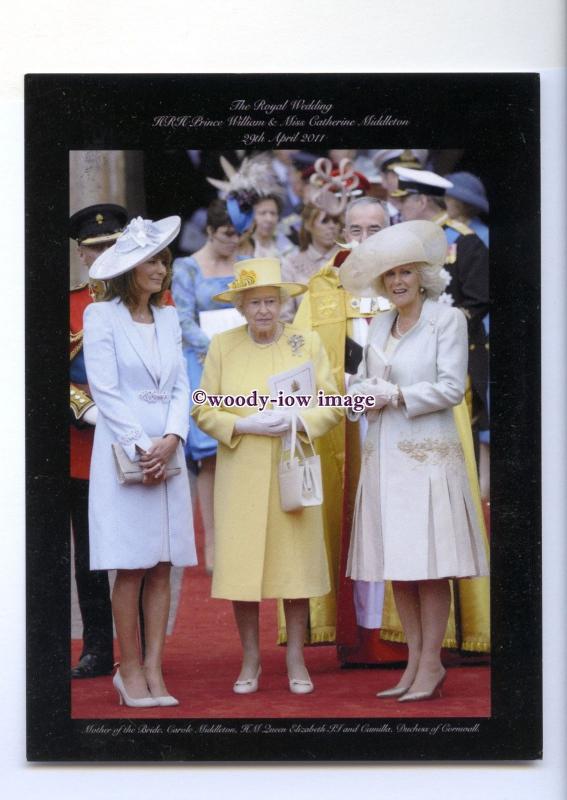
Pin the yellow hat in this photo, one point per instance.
(252, 273)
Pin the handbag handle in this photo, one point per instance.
(295, 441)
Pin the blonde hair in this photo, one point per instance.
(431, 280)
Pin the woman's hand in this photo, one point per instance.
(263, 423)
(154, 461)
(383, 392)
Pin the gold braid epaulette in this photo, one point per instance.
(460, 227)
(76, 342)
(79, 401)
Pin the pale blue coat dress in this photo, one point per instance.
(141, 392)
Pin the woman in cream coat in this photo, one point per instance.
(415, 521)
(138, 379)
(261, 551)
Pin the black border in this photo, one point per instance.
(497, 115)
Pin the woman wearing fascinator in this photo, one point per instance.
(415, 522)
(322, 218)
(139, 503)
(255, 200)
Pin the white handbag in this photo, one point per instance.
(128, 471)
(301, 484)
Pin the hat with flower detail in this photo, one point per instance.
(141, 240)
(253, 273)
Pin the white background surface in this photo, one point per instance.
(355, 36)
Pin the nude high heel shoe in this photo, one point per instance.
(435, 692)
(247, 686)
(167, 700)
(396, 691)
(124, 697)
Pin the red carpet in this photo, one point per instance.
(202, 659)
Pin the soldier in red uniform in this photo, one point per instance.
(94, 228)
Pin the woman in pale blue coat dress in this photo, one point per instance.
(137, 377)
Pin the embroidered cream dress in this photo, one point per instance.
(414, 515)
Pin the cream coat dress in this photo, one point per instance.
(260, 550)
(414, 515)
(140, 392)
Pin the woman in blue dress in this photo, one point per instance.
(196, 279)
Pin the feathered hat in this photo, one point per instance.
(246, 186)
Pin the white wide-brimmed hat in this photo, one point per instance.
(141, 239)
(254, 273)
(416, 242)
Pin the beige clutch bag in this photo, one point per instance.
(129, 471)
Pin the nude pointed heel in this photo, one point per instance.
(125, 699)
(396, 691)
(167, 700)
(437, 691)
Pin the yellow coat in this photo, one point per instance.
(260, 550)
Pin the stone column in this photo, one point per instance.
(100, 176)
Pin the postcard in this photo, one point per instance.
(145, 145)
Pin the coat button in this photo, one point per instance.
(472, 346)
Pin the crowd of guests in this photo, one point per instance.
(368, 268)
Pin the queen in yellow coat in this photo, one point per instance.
(260, 550)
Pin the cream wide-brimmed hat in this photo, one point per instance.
(253, 273)
(418, 241)
(140, 240)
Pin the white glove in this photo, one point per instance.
(383, 392)
(90, 415)
(288, 414)
(263, 423)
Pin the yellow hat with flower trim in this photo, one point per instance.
(253, 273)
